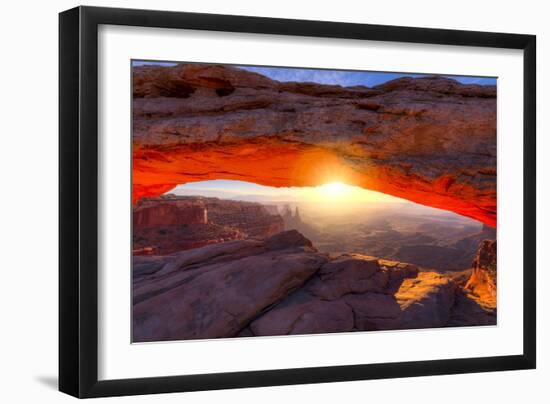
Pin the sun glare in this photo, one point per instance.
(332, 195)
(333, 190)
(336, 194)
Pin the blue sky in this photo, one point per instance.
(349, 78)
(344, 78)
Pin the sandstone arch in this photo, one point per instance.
(429, 140)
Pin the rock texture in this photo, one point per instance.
(172, 223)
(426, 301)
(253, 219)
(234, 282)
(482, 282)
(281, 285)
(430, 140)
(150, 212)
(351, 292)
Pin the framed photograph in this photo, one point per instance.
(251, 201)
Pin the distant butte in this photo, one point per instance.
(430, 140)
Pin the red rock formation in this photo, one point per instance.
(482, 282)
(169, 224)
(235, 282)
(278, 286)
(426, 301)
(351, 292)
(253, 219)
(166, 212)
(429, 140)
(160, 240)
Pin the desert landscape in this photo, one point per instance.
(265, 207)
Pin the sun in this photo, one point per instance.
(336, 195)
(333, 191)
(334, 188)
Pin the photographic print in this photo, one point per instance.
(272, 201)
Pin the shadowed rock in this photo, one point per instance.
(303, 313)
(374, 311)
(426, 301)
(356, 293)
(222, 295)
(348, 274)
(283, 285)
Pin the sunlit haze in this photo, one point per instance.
(329, 194)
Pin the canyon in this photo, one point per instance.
(171, 223)
(283, 285)
(405, 232)
(431, 240)
(430, 140)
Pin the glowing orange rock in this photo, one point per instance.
(429, 140)
(482, 283)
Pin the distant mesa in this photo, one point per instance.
(173, 223)
(167, 211)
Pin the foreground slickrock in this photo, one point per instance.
(281, 285)
(231, 285)
(430, 140)
(349, 293)
(426, 301)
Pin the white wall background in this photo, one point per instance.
(28, 203)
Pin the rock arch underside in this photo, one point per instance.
(430, 140)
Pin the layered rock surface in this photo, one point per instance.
(482, 283)
(281, 285)
(173, 223)
(216, 291)
(167, 212)
(431, 140)
(253, 219)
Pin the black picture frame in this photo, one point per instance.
(78, 201)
